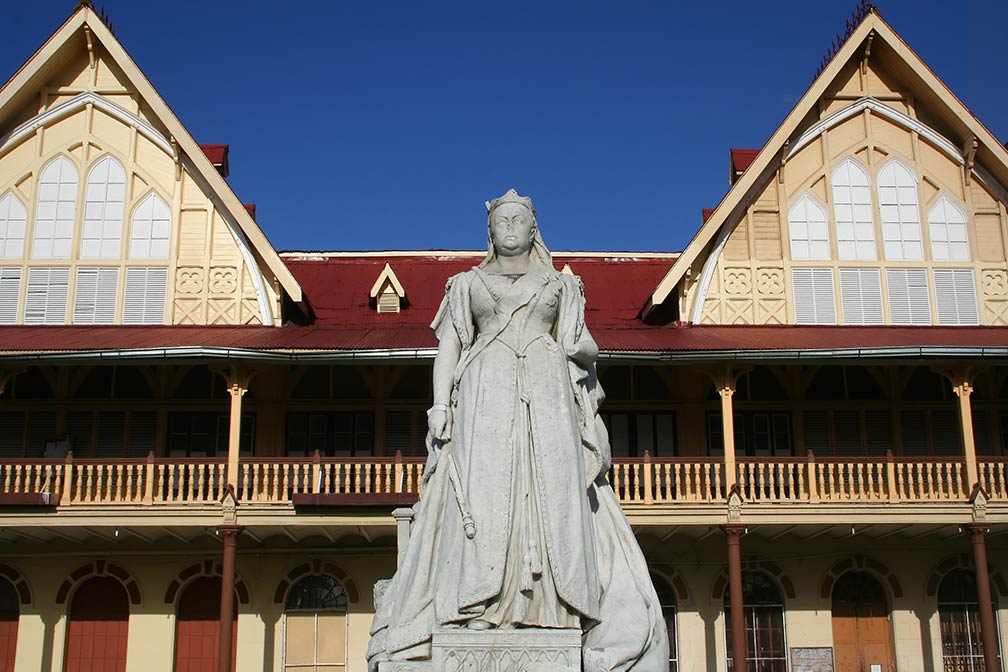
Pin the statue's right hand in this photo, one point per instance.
(436, 421)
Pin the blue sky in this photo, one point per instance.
(385, 125)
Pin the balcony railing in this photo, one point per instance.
(636, 481)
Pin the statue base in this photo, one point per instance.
(521, 650)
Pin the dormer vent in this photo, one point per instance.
(387, 293)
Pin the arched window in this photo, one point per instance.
(667, 600)
(13, 221)
(57, 210)
(764, 619)
(9, 616)
(315, 625)
(104, 201)
(901, 231)
(959, 622)
(98, 627)
(809, 233)
(852, 206)
(149, 229)
(947, 226)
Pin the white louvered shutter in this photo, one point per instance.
(955, 293)
(46, 298)
(95, 295)
(57, 210)
(144, 301)
(909, 302)
(13, 221)
(104, 200)
(813, 292)
(10, 292)
(861, 295)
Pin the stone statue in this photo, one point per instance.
(517, 527)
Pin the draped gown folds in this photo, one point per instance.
(552, 547)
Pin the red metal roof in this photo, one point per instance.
(251, 209)
(395, 336)
(740, 160)
(218, 155)
(338, 288)
(706, 213)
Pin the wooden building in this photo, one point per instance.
(808, 405)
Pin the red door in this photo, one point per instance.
(97, 627)
(197, 627)
(9, 614)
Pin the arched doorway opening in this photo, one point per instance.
(97, 627)
(197, 627)
(862, 632)
(10, 614)
(959, 622)
(764, 620)
(315, 625)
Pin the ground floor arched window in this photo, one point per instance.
(197, 627)
(959, 622)
(98, 627)
(9, 617)
(668, 602)
(315, 625)
(764, 619)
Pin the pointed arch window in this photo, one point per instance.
(947, 227)
(901, 230)
(809, 232)
(150, 229)
(13, 222)
(104, 200)
(57, 210)
(855, 228)
(105, 197)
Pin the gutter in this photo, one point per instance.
(422, 354)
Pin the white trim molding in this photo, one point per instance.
(67, 108)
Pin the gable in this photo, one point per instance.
(878, 111)
(82, 103)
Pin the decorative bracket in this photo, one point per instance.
(867, 53)
(177, 158)
(92, 61)
(783, 160)
(970, 146)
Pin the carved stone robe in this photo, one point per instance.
(552, 548)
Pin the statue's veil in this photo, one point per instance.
(539, 253)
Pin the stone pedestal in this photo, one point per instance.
(524, 650)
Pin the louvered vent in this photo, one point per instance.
(144, 301)
(46, 298)
(955, 293)
(10, 290)
(814, 299)
(388, 300)
(909, 302)
(95, 295)
(861, 295)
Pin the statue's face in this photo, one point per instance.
(511, 229)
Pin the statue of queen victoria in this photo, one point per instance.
(517, 527)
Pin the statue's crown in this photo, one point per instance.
(510, 197)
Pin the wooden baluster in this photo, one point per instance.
(928, 480)
(715, 493)
(667, 476)
(8, 475)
